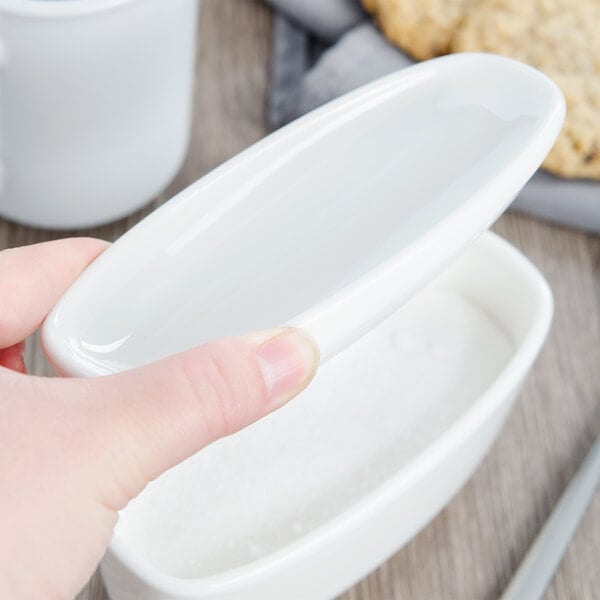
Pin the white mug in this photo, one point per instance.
(95, 106)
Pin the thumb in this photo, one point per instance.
(146, 420)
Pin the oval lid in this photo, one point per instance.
(329, 224)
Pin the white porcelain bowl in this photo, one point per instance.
(415, 455)
(333, 223)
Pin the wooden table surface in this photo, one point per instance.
(472, 548)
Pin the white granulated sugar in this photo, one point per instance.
(370, 411)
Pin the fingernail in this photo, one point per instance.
(288, 362)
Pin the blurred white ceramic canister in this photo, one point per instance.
(95, 106)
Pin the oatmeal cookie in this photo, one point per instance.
(424, 28)
(559, 37)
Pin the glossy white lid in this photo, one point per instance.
(329, 224)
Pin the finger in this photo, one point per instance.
(149, 419)
(33, 278)
(13, 357)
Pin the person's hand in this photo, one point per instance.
(75, 451)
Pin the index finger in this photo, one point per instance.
(33, 278)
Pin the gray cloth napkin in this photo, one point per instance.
(325, 48)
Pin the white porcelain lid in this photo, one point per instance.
(329, 224)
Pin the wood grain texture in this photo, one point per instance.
(472, 548)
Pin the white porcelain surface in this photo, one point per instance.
(95, 106)
(330, 223)
(411, 467)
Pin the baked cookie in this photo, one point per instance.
(424, 28)
(576, 152)
(559, 37)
